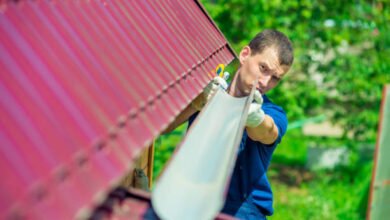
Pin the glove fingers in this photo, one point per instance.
(258, 97)
(226, 76)
(220, 82)
(255, 115)
(254, 107)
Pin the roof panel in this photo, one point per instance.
(85, 85)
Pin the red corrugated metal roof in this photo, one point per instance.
(84, 86)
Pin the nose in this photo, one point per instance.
(264, 80)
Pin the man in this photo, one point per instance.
(266, 60)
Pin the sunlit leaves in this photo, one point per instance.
(348, 85)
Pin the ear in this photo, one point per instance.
(244, 54)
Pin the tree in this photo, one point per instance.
(342, 55)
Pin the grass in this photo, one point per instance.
(299, 193)
(321, 195)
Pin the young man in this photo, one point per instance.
(266, 60)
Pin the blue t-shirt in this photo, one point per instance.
(249, 175)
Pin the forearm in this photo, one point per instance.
(198, 103)
(266, 132)
(181, 118)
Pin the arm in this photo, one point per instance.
(181, 118)
(266, 132)
(260, 126)
(198, 103)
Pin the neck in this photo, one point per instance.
(234, 88)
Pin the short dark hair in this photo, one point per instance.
(268, 38)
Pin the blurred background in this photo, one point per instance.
(322, 169)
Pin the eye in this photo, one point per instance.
(275, 78)
(261, 67)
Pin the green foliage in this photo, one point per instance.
(165, 146)
(342, 61)
(342, 55)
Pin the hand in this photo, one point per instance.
(256, 114)
(209, 92)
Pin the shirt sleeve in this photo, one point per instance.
(279, 116)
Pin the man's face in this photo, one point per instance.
(263, 67)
